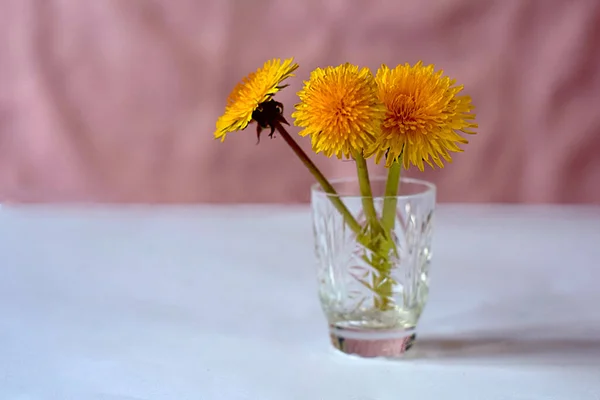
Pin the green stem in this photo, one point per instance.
(337, 202)
(379, 259)
(384, 282)
(390, 200)
(365, 190)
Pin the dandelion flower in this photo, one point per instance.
(424, 116)
(247, 97)
(340, 110)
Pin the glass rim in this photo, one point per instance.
(429, 188)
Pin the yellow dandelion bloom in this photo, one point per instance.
(256, 88)
(340, 110)
(423, 118)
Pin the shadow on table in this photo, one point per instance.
(547, 350)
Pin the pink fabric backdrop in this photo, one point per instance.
(115, 100)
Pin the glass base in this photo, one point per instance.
(372, 343)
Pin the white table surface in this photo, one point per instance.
(220, 303)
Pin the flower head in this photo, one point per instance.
(423, 118)
(340, 110)
(248, 95)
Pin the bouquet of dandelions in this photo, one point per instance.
(407, 115)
